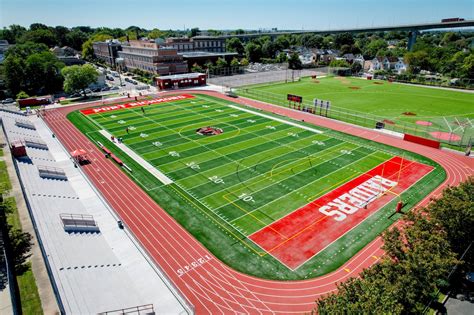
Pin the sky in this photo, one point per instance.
(231, 14)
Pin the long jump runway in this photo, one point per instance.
(212, 287)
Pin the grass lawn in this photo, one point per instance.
(258, 170)
(363, 102)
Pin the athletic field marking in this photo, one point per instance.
(147, 166)
(276, 119)
(315, 205)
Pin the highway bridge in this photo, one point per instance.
(413, 30)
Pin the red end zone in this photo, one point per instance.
(306, 231)
(89, 111)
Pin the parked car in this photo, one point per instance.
(133, 82)
(77, 94)
(106, 88)
(114, 88)
(97, 89)
(87, 91)
(8, 101)
(110, 78)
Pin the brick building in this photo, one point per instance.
(197, 43)
(107, 51)
(151, 57)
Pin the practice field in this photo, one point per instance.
(270, 197)
(404, 108)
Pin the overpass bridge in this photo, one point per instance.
(413, 30)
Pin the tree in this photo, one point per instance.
(60, 32)
(22, 95)
(234, 44)
(467, 68)
(221, 63)
(13, 33)
(76, 39)
(455, 212)
(374, 46)
(197, 68)
(194, 32)
(32, 68)
(343, 39)
(269, 49)
(282, 42)
(417, 60)
(88, 50)
(244, 62)
(294, 61)
(253, 52)
(282, 57)
(20, 243)
(40, 35)
(234, 63)
(238, 31)
(155, 33)
(339, 63)
(78, 77)
(356, 67)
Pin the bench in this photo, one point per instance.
(116, 159)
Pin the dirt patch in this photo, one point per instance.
(378, 83)
(460, 123)
(424, 123)
(354, 87)
(343, 80)
(316, 81)
(390, 122)
(445, 136)
(409, 114)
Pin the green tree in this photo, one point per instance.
(455, 212)
(155, 33)
(60, 32)
(339, 63)
(238, 31)
(356, 67)
(244, 62)
(343, 39)
(294, 61)
(20, 243)
(44, 36)
(22, 95)
(467, 68)
(234, 44)
(253, 52)
(268, 49)
(78, 77)
(194, 32)
(76, 39)
(221, 63)
(374, 46)
(234, 63)
(417, 60)
(13, 33)
(282, 42)
(32, 68)
(282, 57)
(88, 50)
(197, 68)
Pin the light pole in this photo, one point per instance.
(119, 62)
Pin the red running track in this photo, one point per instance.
(297, 237)
(212, 287)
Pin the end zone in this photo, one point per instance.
(304, 233)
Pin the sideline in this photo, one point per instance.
(147, 166)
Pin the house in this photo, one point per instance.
(326, 55)
(69, 56)
(395, 64)
(349, 58)
(376, 64)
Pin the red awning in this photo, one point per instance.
(78, 152)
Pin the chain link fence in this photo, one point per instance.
(460, 135)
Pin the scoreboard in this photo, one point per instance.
(294, 98)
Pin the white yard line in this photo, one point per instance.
(447, 123)
(150, 168)
(276, 119)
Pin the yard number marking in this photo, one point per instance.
(270, 127)
(193, 165)
(143, 135)
(216, 180)
(246, 197)
(157, 144)
(121, 122)
(346, 152)
(174, 153)
(318, 142)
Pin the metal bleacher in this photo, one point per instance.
(86, 272)
(78, 223)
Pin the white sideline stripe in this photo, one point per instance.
(276, 119)
(150, 168)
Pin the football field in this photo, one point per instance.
(278, 194)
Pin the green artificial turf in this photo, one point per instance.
(280, 166)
